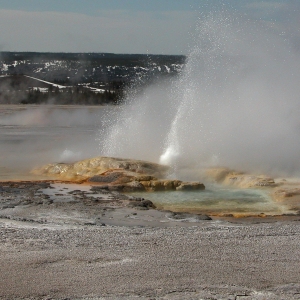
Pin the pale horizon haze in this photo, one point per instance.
(127, 26)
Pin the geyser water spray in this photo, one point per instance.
(235, 104)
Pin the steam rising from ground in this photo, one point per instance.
(37, 135)
(236, 104)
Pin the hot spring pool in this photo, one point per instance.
(216, 199)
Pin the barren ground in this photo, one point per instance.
(67, 245)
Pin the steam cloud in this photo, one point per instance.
(236, 104)
(39, 135)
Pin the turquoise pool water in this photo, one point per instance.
(216, 199)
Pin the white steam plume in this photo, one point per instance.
(236, 104)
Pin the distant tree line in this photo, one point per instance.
(72, 96)
(94, 59)
(18, 89)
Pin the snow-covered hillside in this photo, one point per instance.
(72, 68)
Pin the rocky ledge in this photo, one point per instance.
(84, 169)
(239, 179)
(284, 191)
(116, 174)
(122, 180)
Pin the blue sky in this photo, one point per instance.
(122, 26)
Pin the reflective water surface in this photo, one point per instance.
(31, 136)
(216, 199)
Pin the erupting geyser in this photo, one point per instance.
(236, 104)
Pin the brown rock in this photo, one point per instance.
(88, 168)
(184, 216)
(144, 204)
(161, 185)
(190, 186)
(146, 184)
(239, 179)
(219, 174)
(134, 186)
(171, 184)
(157, 185)
(248, 181)
(106, 177)
(145, 178)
